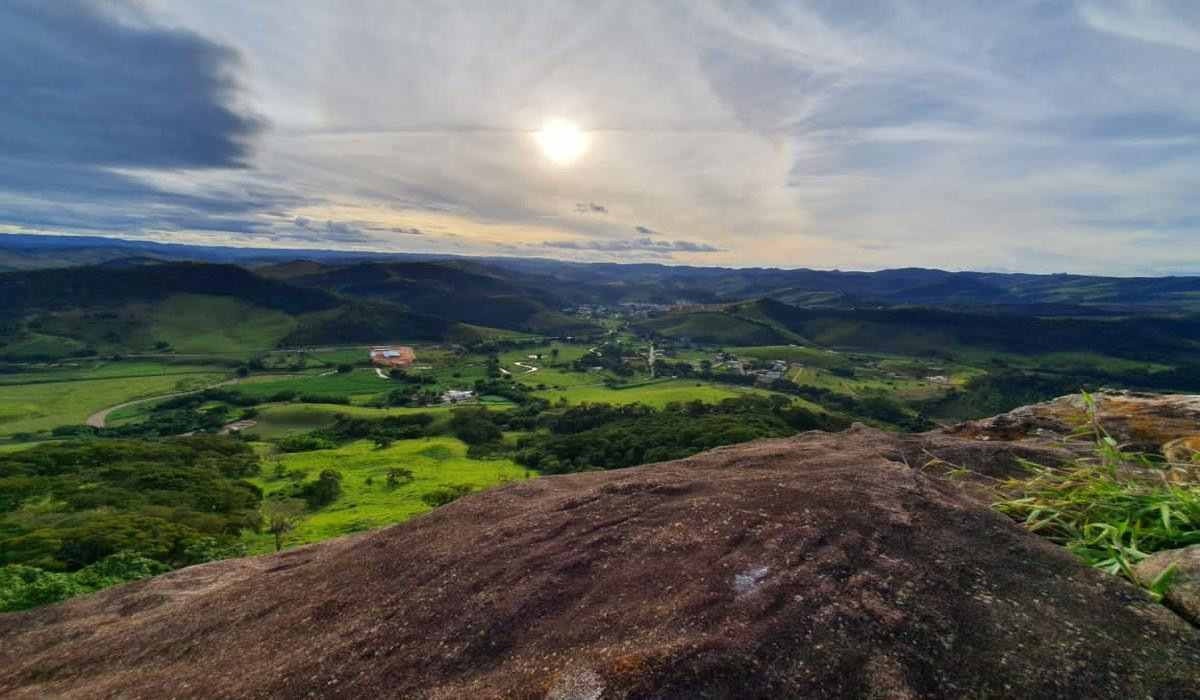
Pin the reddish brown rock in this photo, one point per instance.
(817, 566)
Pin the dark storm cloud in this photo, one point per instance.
(85, 92)
(82, 88)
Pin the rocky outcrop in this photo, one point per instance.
(1152, 422)
(825, 565)
(1183, 593)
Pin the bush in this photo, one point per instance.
(445, 494)
(397, 476)
(325, 398)
(323, 491)
(475, 427)
(23, 587)
(303, 443)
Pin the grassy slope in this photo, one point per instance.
(434, 462)
(276, 420)
(102, 369)
(208, 324)
(33, 407)
(718, 328)
(362, 381)
(657, 394)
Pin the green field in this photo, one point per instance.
(35, 407)
(816, 357)
(220, 325)
(102, 369)
(39, 345)
(362, 381)
(277, 420)
(435, 462)
(718, 328)
(657, 394)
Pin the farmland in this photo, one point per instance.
(367, 501)
(41, 406)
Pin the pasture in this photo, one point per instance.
(41, 406)
(657, 393)
(434, 462)
(280, 419)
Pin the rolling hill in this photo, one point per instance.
(191, 308)
(551, 281)
(927, 331)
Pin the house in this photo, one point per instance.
(392, 356)
(457, 396)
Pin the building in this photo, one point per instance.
(457, 396)
(393, 356)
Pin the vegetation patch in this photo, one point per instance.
(80, 515)
(1113, 509)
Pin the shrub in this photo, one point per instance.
(474, 427)
(323, 491)
(445, 494)
(303, 443)
(397, 476)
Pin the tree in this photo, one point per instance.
(474, 427)
(397, 476)
(324, 490)
(282, 516)
(345, 368)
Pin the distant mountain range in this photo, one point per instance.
(529, 285)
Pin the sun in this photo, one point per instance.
(562, 141)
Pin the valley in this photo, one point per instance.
(513, 375)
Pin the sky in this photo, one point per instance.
(1008, 136)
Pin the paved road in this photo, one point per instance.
(98, 419)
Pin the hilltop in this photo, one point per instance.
(823, 565)
(1058, 294)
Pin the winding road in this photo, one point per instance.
(99, 418)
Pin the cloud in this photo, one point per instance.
(638, 245)
(408, 231)
(1164, 23)
(82, 88)
(97, 100)
(851, 135)
(337, 231)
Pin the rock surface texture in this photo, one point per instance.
(1184, 594)
(824, 565)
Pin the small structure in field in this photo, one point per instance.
(457, 396)
(393, 356)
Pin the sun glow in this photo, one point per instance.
(561, 141)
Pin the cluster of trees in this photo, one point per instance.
(594, 436)
(65, 507)
(415, 390)
(610, 356)
(347, 428)
(876, 407)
